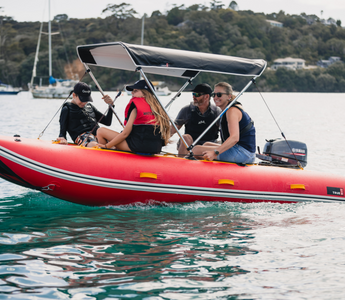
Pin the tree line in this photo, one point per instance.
(215, 29)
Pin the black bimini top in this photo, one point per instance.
(168, 62)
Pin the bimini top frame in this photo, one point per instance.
(168, 62)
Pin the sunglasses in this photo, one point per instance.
(197, 94)
(218, 94)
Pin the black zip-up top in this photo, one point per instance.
(76, 120)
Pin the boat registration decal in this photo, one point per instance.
(335, 191)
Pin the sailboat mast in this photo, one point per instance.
(49, 41)
(142, 36)
(36, 58)
(142, 29)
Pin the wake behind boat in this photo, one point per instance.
(99, 177)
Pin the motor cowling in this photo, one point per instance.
(285, 152)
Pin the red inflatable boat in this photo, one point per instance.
(100, 177)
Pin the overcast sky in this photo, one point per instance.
(37, 10)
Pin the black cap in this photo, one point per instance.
(203, 88)
(83, 91)
(140, 85)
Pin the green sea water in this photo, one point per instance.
(53, 249)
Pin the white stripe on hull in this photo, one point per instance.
(160, 188)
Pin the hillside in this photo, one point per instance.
(196, 28)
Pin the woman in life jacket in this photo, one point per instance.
(147, 127)
(236, 128)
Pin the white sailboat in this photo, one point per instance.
(161, 88)
(57, 88)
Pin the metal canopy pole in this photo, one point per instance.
(101, 91)
(223, 112)
(181, 90)
(171, 121)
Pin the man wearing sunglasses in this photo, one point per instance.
(196, 117)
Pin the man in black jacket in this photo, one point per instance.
(80, 118)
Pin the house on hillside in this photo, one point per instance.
(330, 21)
(323, 63)
(275, 23)
(310, 19)
(288, 63)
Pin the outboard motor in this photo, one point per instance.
(278, 152)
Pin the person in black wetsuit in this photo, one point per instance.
(196, 117)
(80, 118)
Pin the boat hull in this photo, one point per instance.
(100, 177)
(61, 90)
(9, 93)
(50, 96)
(51, 93)
(7, 89)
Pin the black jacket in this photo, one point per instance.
(76, 120)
